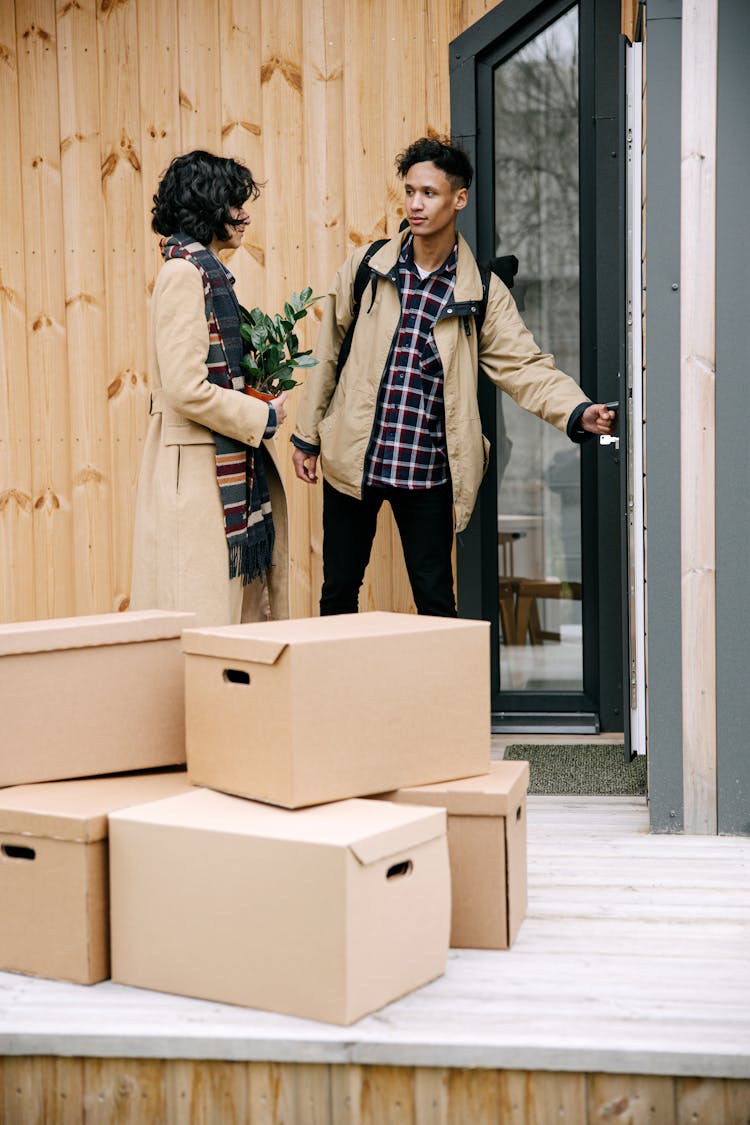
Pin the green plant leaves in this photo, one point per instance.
(272, 349)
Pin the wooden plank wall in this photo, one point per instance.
(96, 96)
(49, 1091)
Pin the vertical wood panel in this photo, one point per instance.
(282, 1092)
(40, 1091)
(431, 1096)
(474, 1097)
(45, 297)
(323, 71)
(442, 25)
(537, 1097)
(630, 1100)
(242, 133)
(387, 1094)
(126, 378)
(287, 262)
(159, 112)
(737, 1102)
(128, 1091)
(200, 75)
(698, 411)
(83, 229)
(206, 1092)
(16, 526)
(700, 1101)
(346, 1095)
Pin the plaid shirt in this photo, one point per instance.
(408, 446)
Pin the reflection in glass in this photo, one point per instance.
(536, 218)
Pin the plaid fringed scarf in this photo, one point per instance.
(240, 472)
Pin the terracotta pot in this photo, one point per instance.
(262, 395)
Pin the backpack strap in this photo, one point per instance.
(363, 275)
(506, 269)
(484, 273)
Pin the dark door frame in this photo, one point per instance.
(602, 704)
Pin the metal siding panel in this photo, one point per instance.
(663, 416)
(732, 409)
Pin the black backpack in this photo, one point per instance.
(506, 269)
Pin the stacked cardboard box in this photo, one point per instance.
(85, 696)
(54, 870)
(328, 912)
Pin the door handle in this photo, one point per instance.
(609, 439)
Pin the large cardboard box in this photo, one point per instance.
(84, 696)
(327, 913)
(326, 708)
(54, 874)
(487, 847)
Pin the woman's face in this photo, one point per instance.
(236, 233)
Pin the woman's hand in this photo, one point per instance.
(279, 405)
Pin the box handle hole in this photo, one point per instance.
(16, 851)
(519, 812)
(235, 676)
(398, 870)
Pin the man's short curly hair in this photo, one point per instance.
(195, 193)
(449, 158)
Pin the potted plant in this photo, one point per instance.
(271, 347)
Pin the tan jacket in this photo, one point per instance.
(180, 557)
(339, 419)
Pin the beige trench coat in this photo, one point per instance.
(339, 419)
(180, 556)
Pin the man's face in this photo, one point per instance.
(431, 202)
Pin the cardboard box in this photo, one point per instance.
(54, 871)
(327, 913)
(326, 708)
(487, 847)
(85, 696)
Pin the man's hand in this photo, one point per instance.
(305, 465)
(279, 405)
(597, 419)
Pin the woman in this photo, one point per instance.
(211, 532)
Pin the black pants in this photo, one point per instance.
(424, 518)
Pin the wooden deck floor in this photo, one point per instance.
(634, 959)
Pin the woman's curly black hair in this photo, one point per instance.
(195, 193)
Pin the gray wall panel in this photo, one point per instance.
(732, 415)
(663, 568)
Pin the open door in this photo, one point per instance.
(538, 100)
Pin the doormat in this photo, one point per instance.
(585, 769)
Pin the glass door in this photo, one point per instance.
(538, 97)
(536, 205)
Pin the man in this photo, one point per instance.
(402, 423)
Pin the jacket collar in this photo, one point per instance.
(468, 285)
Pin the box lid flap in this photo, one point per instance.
(78, 810)
(97, 629)
(234, 642)
(371, 830)
(398, 838)
(258, 640)
(495, 793)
